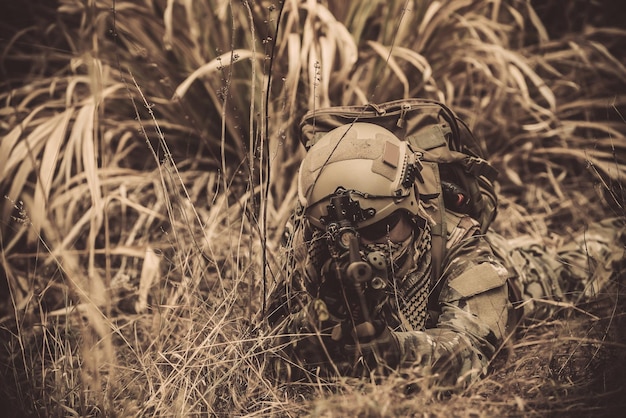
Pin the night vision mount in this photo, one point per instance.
(344, 214)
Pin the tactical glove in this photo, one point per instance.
(367, 346)
(303, 341)
(310, 317)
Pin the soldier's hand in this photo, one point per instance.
(371, 344)
(310, 317)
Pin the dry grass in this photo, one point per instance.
(146, 179)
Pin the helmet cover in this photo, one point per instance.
(366, 161)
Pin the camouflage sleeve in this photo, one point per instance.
(476, 313)
(300, 332)
(473, 317)
(289, 293)
(293, 314)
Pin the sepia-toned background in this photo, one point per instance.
(147, 157)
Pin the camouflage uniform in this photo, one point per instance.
(468, 317)
(451, 323)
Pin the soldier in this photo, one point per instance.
(365, 291)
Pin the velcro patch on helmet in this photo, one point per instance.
(387, 164)
(391, 154)
(343, 148)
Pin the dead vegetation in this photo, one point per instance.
(146, 169)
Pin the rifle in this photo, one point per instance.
(361, 281)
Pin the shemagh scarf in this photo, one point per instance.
(412, 265)
(410, 274)
(411, 269)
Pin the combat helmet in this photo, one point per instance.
(366, 162)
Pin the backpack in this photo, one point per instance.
(456, 176)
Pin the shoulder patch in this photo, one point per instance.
(479, 279)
